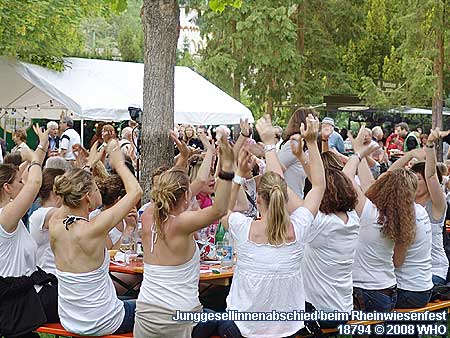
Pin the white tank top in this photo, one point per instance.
(173, 287)
(87, 302)
(17, 252)
(44, 256)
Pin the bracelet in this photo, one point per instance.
(41, 147)
(87, 166)
(239, 180)
(34, 163)
(359, 156)
(247, 136)
(429, 146)
(227, 176)
(269, 147)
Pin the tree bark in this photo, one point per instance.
(160, 20)
(438, 98)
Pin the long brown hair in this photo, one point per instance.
(297, 118)
(273, 190)
(394, 193)
(339, 196)
(172, 186)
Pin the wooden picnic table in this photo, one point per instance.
(137, 268)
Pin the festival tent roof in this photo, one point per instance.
(103, 90)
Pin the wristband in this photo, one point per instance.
(247, 136)
(269, 147)
(359, 156)
(87, 166)
(239, 180)
(429, 146)
(34, 163)
(227, 176)
(41, 147)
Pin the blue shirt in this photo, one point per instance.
(335, 141)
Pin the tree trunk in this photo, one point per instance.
(438, 98)
(160, 19)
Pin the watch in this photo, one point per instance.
(239, 180)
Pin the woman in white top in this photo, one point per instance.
(17, 248)
(268, 275)
(171, 256)
(294, 172)
(387, 229)
(88, 304)
(40, 218)
(431, 196)
(330, 244)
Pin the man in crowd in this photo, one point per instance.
(334, 139)
(53, 138)
(69, 138)
(411, 140)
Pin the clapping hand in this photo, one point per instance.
(312, 129)
(266, 130)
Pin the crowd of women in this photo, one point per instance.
(312, 230)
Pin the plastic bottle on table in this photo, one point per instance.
(227, 246)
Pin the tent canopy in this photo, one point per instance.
(103, 90)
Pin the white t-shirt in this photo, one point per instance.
(439, 259)
(268, 277)
(373, 268)
(17, 252)
(69, 138)
(415, 273)
(45, 257)
(294, 174)
(87, 302)
(330, 246)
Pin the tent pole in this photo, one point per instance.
(82, 132)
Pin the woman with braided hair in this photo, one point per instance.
(171, 256)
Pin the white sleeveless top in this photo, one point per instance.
(87, 302)
(330, 247)
(45, 257)
(415, 273)
(172, 287)
(373, 268)
(268, 277)
(17, 252)
(439, 259)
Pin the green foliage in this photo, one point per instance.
(220, 5)
(44, 31)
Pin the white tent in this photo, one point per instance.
(103, 90)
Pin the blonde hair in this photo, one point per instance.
(273, 190)
(73, 185)
(172, 186)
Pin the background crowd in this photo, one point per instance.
(318, 219)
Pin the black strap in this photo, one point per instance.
(250, 199)
(70, 219)
(125, 144)
(65, 137)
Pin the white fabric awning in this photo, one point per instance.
(103, 90)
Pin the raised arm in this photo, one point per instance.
(190, 221)
(243, 136)
(14, 211)
(361, 151)
(204, 171)
(267, 134)
(434, 187)
(107, 219)
(365, 175)
(404, 160)
(314, 197)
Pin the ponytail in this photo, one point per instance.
(273, 190)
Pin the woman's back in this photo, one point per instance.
(267, 277)
(373, 268)
(330, 247)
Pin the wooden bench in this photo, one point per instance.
(58, 330)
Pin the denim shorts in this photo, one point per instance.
(374, 300)
(128, 320)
